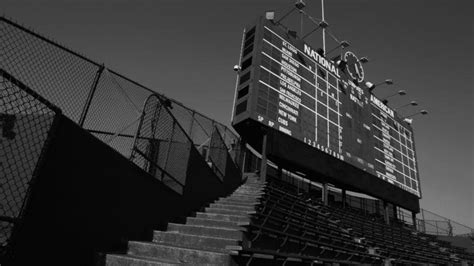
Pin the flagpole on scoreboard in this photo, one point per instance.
(324, 29)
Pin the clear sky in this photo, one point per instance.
(186, 49)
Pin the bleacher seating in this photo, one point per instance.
(292, 225)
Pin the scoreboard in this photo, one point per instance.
(286, 85)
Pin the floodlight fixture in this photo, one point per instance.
(342, 44)
(320, 51)
(323, 24)
(412, 103)
(300, 4)
(400, 92)
(422, 112)
(364, 60)
(237, 68)
(371, 86)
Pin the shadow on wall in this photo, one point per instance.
(89, 199)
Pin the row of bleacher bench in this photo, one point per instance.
(294, 227)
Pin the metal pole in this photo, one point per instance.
(237, 76)
(170, 142)
(210, 140)
(90, 96)
(424, 223)
(413, 217)
(301, 22)
(325, 193)
(263, 164)
(385, 213)
(324, 29)
(343, 195)
(191, 125)
(244, 156)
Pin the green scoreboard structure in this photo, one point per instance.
(320, 118)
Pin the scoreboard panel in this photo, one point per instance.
(286, 85)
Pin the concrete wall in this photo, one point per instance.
(88, 199)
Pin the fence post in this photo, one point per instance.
(170, 142)
(90, 96)
(343, 196)
(263, 163)
(423, 218)
(191, 125)
(210, 140)
(413, 217)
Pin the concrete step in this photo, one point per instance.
(232, 207)
(239, 202)
(232, 204)
(193, 241)
(121, 260)
(215, 223)
(249, 193)
(255, 181)
(250, 188)
(243, 198)
(235, 203)
(226, 211)
(199, 230)
(224, 217)
(247, 196)
(184, 255)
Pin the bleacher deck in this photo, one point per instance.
(293, 226)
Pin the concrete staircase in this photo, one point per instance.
(210, 238)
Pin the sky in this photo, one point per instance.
(187, 49)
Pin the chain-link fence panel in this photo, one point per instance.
(26, 120)
(218, 154)
(58, 74)
(434, 224)
(101, 100)
(162, 147)
(115, 110)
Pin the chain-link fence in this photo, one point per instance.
(434, 224)
(99, 99)
(161, 145)
(217, 154)
(102, 101)
(26, 122)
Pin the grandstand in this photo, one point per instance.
(98, 169)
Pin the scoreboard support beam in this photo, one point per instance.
(324, 195)
(263, 165)
(395, 215)
(386, 213)
(280, 173)
(343, 194)
(413, 218)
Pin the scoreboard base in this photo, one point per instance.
(321, 167)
